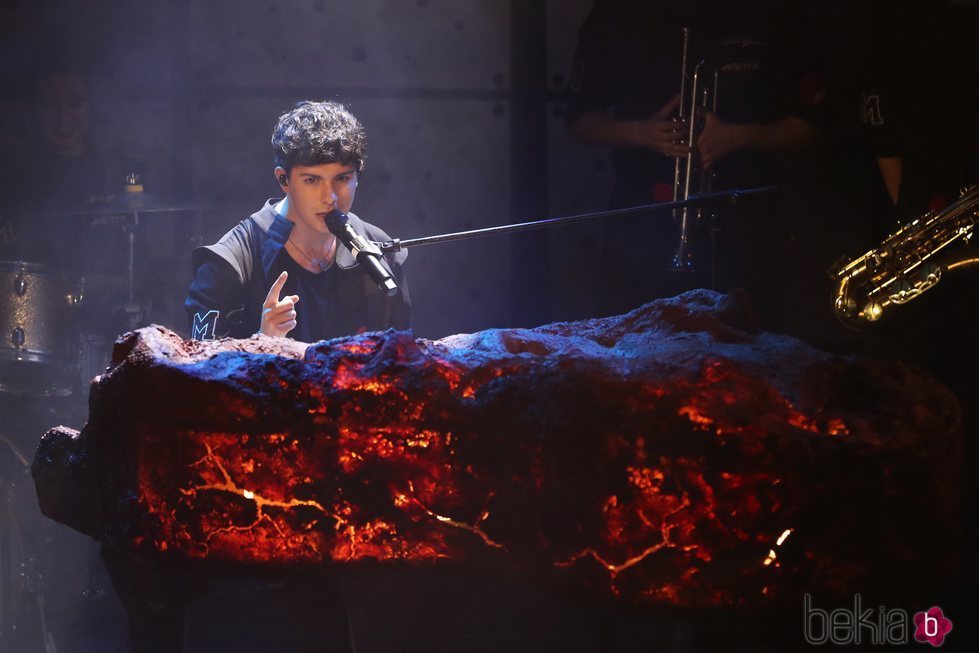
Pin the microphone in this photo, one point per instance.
(366, 252)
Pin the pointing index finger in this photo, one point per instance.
(273, 297)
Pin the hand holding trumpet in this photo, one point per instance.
(667, 134)
(663, 133)
(718, 139)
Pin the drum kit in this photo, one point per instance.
(45, 350)
(37, 306)
(49, 353)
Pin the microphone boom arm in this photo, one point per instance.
(730, 196)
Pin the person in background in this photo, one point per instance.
(624, 96)
(919, 108)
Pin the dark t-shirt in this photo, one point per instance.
(10, 234)
(43, 223)
(60, 184)
(920, 99)
(319, 304)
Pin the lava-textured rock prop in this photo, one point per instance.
(672, 454)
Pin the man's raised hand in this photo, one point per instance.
(279, 316)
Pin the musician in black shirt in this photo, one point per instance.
(623, 95)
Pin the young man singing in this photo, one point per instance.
(253, 278)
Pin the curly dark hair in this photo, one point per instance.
(314, 133)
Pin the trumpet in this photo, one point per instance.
(698, 94)
(909, 262)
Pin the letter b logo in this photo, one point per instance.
(815, 622)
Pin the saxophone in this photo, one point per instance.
(909, 262)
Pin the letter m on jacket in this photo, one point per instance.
(205, 325)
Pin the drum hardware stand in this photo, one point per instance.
(27, 570)
(7, 625)
(727, 196)
(714, 229)
(132, 309)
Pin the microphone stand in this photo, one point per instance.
(729, 196)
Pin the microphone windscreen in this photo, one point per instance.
(335, 221)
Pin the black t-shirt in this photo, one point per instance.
(61, 184)
(47, 238)
(920, 98)
(44, 222)
(10, 229)
(319, 314)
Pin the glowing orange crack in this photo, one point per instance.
(613, 569)
(665, 530)
(402, 499)
(772, 556)
(260, 502)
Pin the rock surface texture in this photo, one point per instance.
(669, 455)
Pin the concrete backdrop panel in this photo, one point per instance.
(383, 44)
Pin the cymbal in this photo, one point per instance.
(130, 204)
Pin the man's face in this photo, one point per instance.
(62, 105)
(316, 190)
